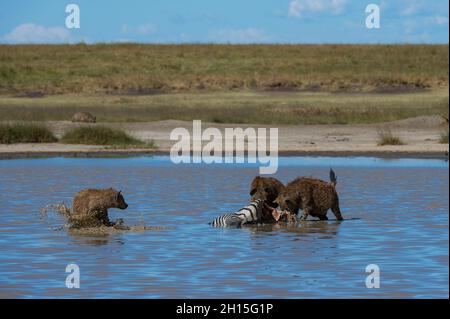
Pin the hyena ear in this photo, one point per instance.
(118, 195)
(252, 192)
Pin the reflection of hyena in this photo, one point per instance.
(90, 206)
(313, 196)
(266, 189)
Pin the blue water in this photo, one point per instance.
(396, 213)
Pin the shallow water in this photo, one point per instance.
(396, 215)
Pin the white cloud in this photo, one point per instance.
(33, 33)
(299, 7)
(248, 35)
(144, 29)
(440, 20)
(411, 8)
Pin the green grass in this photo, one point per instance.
(100, 135)
(148, 68)
(387, 137)
(254, 84)
(25, 133)
(232, 107)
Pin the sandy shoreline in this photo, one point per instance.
(421, 135)
(101, 153)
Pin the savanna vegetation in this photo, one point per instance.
(268, 84)
(100, 135)
(25, 133)
(387, 137)
(231, 107)
(144, 68)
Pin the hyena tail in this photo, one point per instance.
(333, 178)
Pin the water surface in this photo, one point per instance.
(396, 214)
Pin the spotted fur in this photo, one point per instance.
(313, 196)
(266, 189)
(90, 206)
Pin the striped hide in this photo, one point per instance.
(248, 214)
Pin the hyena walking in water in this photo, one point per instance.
(313, 196)
(90, 207)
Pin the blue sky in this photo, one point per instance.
(224, 21)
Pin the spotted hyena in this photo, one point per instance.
(90, 206)
(311, 195)
(266, 189)
(84, 117)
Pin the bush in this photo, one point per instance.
(25, 133)
(387, 137)
(99, 135)
(444, 137)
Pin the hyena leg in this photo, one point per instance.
(336, 210)
(104, 219)
(323, 215)
(307, 210)
(305, 214)
(307, 206)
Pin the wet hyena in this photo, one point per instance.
(266, 189)
(313, 196)
(90, 206)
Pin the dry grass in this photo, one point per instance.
(387, 137)
(231, 107)
(25, 133)
(33, 70)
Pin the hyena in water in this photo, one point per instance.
(313, 196)
(90, 206)
(266, 189)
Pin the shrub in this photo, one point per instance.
(25, 133)
(387, 137)
(99, 135)
(444, 137)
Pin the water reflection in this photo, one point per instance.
(327, 229)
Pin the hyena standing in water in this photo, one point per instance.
(313, 196)
(266, 189)
(90, 207)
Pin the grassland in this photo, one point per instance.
(138, 68)
(231, 107)
(268, 84)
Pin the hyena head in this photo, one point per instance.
(117, 200)
(287, 203)
(266, 189)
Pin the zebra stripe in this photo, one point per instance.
(247, 214)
